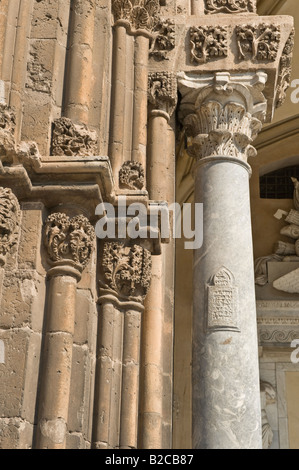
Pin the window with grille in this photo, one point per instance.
(278, 184)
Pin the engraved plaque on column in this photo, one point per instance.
(223, 302)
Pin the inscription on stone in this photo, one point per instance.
(223, 302)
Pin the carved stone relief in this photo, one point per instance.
(229, 6)
(268, 396)
(68, 239)
(284, 251)
(258, 42)
(131, 176)
(162, 91)
(7, 132)
(73, 139)
(222, 301)
(127, 270)
(163, 39)
(9, 221)
(208, 43)
(285, 70)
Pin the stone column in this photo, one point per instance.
(79, 76)
(162, 99)
(227, 114)
(125, 279)
(69, 243)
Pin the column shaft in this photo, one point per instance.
(139, 138)
(57, 365)
(79, 77)
(226, 403)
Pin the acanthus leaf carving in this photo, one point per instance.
(9, 221)
(131, 176)
(258, 42)
(218, 129)
(162, 91)
(73, 139)
(68, 239)
(208, 43)
(229, 6)
(127, 270)
(141, 14)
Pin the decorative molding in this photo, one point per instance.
(163, 39)
(230, 6)
(277, 305)
(73, 139)
(283, 336)
(162, 91)
(9, 221)
(131, 176)
(208, 43)
(68, 239)
(222, 302)
(140, 14)
(258, 42)
(285, 70)
(127, 270)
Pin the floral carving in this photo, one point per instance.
(163, 39)
(127, 269)
(219, 129)
(72, 139)
(162, 91)
(7, 132)
(208, 43)
(68, 239)
(285, 70)
(9, 220)
(230, 6)
(131, 175)
(141, 14)
(258, 42)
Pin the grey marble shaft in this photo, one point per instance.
(226, 401)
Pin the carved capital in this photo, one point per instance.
(230, 6)
(9, 221)
(126, 270)
(68, 240)
(140, 14)
(222, 115)
(131, 176)
(73, 139)
(162, 91)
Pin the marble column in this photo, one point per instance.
(69, 242)
(226, 116)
